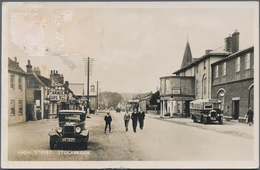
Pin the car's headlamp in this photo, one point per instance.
(78, 129)
(59, 130)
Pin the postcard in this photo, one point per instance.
(130, 85)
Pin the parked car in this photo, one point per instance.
(206, 110)
(71, 129)
(118, 110)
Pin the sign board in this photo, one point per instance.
(57, 95)
(177, 98)
(176, 91)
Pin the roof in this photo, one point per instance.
(187, 57)
(72, 112)
(13, 66)
(77, 88)
(217, 52)
(234, 55)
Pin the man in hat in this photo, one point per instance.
(134, 118)
(141, 117)
(108, 120)
(250, 115)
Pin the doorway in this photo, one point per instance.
(235, 109)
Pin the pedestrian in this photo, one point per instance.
(134, 119)
(126, 118)
(141, 116)
(250, 115)
(108, 120)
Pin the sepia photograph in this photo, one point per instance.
(130, 85)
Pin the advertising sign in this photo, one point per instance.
(57, 95)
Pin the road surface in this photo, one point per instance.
(158, 141)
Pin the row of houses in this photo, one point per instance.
(226, 73)
(33, 97)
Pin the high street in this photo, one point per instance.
(162, 139)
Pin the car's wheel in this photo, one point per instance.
(204, 120)
(220, 121)
(52, 144)
(195, 119)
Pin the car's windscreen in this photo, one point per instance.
(67, 117)
(208, 105)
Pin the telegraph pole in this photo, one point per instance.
(88, 72)
(97, 96)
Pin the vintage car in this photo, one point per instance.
(206, 110)
(71, 129)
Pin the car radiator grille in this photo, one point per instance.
(213, 114)
(69, 131)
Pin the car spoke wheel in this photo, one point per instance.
(195, 119)
(220, 120)
(52, 144)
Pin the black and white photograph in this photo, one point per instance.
(130, 85)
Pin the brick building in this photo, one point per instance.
(206, 84)
(233, 82)
(16, 92)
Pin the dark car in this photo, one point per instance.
(71, 129)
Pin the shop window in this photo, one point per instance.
(247, 61)
(238, 64)
(12, 82)
(224, 68)
(20, 104)
(20, 83)
(12, 107)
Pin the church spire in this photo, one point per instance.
(187, 57)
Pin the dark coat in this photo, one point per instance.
(108, 119)
(134, 116)
(141, 115)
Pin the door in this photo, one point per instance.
(235, 109)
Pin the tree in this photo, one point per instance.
(112, 98)
(155, 96)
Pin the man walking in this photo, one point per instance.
(250, 115)
(141, 116)
(126, 118)
(134, 119)
(108, 120)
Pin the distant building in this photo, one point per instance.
(81, 95)
(233, 82)
(16, 92)
(144, 103)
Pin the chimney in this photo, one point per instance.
(15, 59)
(228, 44)
(29, 67)
(207, 51)
(235, 43)
(67, 83)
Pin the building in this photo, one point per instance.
(16, 92)
(46, 96)
(233, 83)
(36, 93)
(144, 102)
(81, 96)
(194, 79)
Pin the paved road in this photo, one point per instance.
(159, 141)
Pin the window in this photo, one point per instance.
(20, 83)
(197, 68)
(12, 107)
(12, 82)
(238, 64)
(224, 68)
(216, 71)
(204, 65)
(205, 85)
(20, 104)
(247, 61)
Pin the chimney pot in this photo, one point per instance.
(15, 58)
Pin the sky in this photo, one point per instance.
(132, 45)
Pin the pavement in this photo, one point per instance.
(232, 127)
